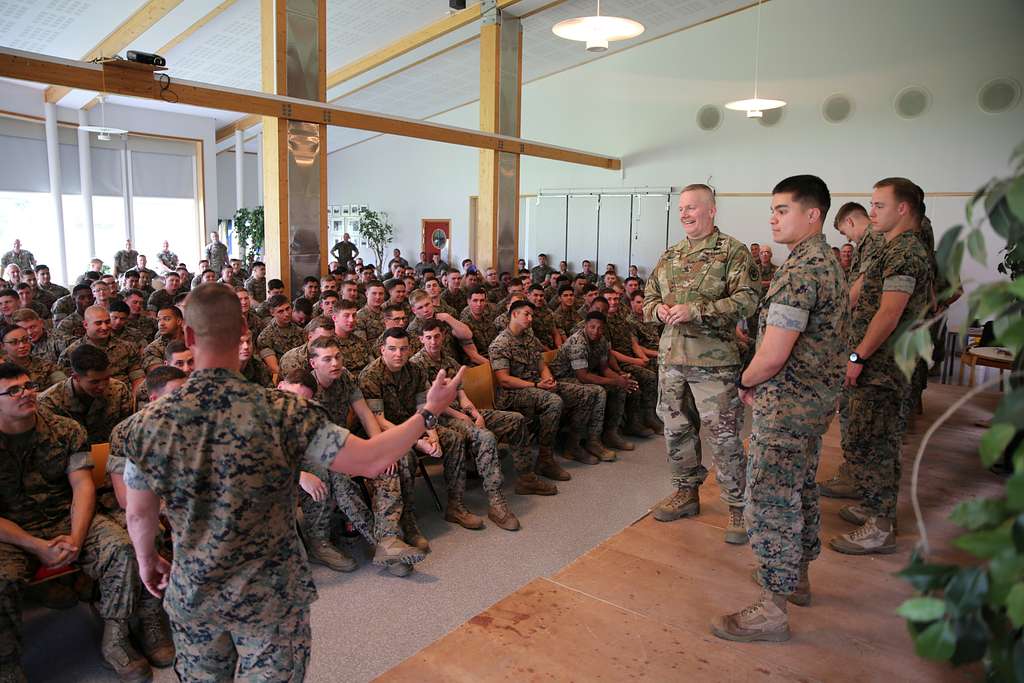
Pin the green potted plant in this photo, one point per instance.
(377, 231)
(248, 226)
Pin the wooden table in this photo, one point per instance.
(988, 356)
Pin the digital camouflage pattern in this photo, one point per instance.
(168, 259)
(49, 347)
(231, 495)
(540, 273)
(544, 327)
(370, 322)
(809, 295)
(153, 354)
(296, 359)
(355, 352)
(520, 355)
(43, 372)
(874, 431)
(865, 252)
(23, 259)
(715, 276)
(255, 323)
(72, 325)
(455, 301)
(255, 370)
(276, 340)
(124, 260)
(579, 353)
(124, 359)
(482, 328)
(98, 415)
(257, 288)
(144, 325)
(217, 254)
(566, 319)
(159, 299)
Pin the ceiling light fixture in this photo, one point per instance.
(755, 105)
(103, 132)
(597, 31)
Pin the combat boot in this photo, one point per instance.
(765, 620)
(594, 447)
(682, 503)
(573, 451)
(322, 552)
(858, 514)
(841, 485)
(875, 536)
(613, 439)
(529, 484)
(458, 514)
(802, 595)
(634, 427)
(736, 532)
(154, 633)
(120, 655)
(411, 532)
(547, 467)
(392, 549)
(500, 513)
(652, 420)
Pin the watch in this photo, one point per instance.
(857, 358)
(429, 419)
(740, 385)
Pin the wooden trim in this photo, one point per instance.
(201, 189)
(118, 39)
(32, 67)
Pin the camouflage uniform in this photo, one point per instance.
(257, 371)
(452, 345)
(504, 426)
(43, 372)
(144, 325)
(356, 353)
(296, 359)
(792, 410)
(414, 345)
(36, 495)
(239, 584)
(124, 360)
(482, 328)
(23, 259)
(579, 353)
(454, 300)
(257, 288)
(619, 332)
(62, 308)
(275, 340)
(217, 255)
(566, 319)
(153, 354)
(73, 325)
(540, 273)
(544, 327)
(161, 298)
(131, 336)
(699, 360)
(344, 252)
(49, 347)
(168, 259)
(370, 322)
(876, 417)
(124, 260)
(97, 415)
(255, 323)
(397, 395)
(55, 290)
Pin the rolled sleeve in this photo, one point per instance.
(133, 478)
(578, 363)
(375, 404)
(500, 364)
(324, 446)
(79, 461)
(787, 317)
(899, 283)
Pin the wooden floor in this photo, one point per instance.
(638, 605)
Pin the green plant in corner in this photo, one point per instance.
(975, 612)
(377, 231)
(248, 227)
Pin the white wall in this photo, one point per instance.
(226, 182)
(641, 105)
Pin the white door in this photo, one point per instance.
(649, 237)
(613, 232)
(582, 231)
(546, 230)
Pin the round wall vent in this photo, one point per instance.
(999, 95)
(912, 101)
(771, 117)
(837, 108)
(709, 117)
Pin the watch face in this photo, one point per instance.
(854, 357)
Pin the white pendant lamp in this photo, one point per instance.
(755, 105)
(597, 31)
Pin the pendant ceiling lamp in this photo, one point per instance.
(755, 105)
(597, 31)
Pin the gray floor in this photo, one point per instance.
(367, 621)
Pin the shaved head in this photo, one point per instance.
(214, 314)
(94, 313)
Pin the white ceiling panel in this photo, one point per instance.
(63, 28)
(226, 51)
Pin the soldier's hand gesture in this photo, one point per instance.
(443, 391)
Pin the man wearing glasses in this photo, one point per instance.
(17, 349)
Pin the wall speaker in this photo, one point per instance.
(770, 117)
(709, 117)
(837, 108)
(999, 95)
(912, 101)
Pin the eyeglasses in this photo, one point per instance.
(15, 391)
(18, 341)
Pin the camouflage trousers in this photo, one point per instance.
(584, 406)
(693, 397)
(269, 652)
(615, 407)
(873, 448)
(541, 408)
(453, 449)
(106, 556)
(343, 493)
(482, 444)
(782, 512)
(646, 397)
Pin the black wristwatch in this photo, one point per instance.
(429, 419)
(857, 358)
(740, 385)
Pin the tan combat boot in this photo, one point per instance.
(652, 421)
(392, 549)
(120, 655)
(154, 633)
(875, 536)
(841, 485)
(547, 467)
(573, 451)
(500, 513)
(635, 427)
(529, 484)
(858, 514)
(802, 595)
(411, 532)
(320, 551)
(682, 503)
(456, 513)
(736, 532)
(594, 447)
(613, 439)
(765, 620)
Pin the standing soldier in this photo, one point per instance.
(792, 383)
(125, 259)
(897, 288)
(700, 289)
(216, 253)
(344, 251)
(22, 258)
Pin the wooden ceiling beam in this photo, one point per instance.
(134, 26)
(133, 82)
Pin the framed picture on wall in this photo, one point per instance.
(436, 238)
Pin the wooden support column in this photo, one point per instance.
(501, 68)
(294, 63)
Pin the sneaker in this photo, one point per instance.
(762, 621)
(120, 655)
(736, 532)
(500, 513)
(392, 549)
(594, 447)
(529, 484)
(841, 485)
(612, 439)
(458, 514)
(801, 596)
(684, 503)
(868, 539)
(322, 552)
(154, 633)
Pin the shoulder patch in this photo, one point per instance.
(754, 273)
